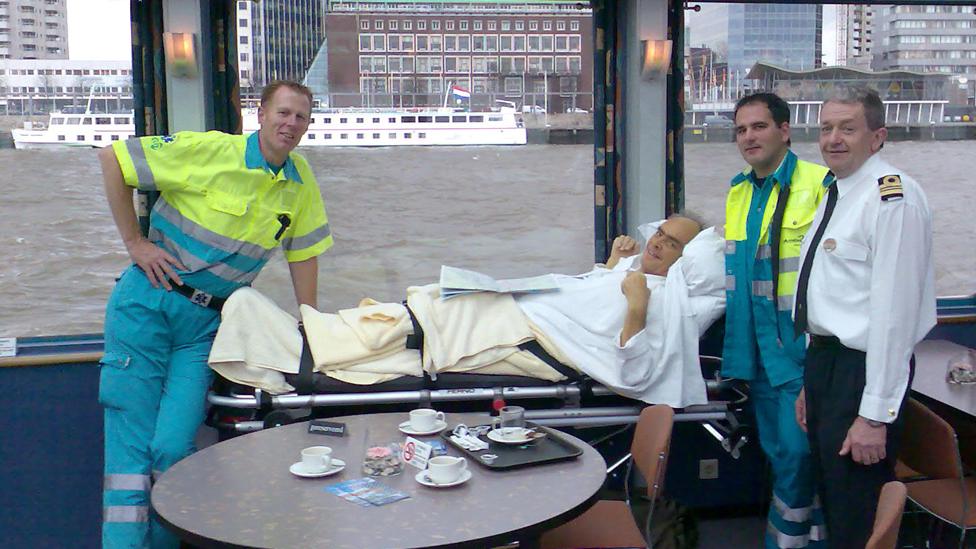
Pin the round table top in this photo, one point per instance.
(240, 493)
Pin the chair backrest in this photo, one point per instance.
(929, 443)
(652, 439)
(891, 503)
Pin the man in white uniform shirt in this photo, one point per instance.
(866, 296)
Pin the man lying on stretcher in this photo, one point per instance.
(633, 325)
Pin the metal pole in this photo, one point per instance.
(545, 91)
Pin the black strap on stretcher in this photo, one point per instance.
(540, 353)
(304, 383)
(416, 339)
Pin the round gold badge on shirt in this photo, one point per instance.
(830, 244)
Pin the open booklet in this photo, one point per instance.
(456, 282)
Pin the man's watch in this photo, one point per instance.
(872, 422)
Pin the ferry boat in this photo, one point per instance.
(328, 128)
(390, 127)
(66, 129)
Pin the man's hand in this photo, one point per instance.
(634, 288)
(623, 246)
(801, 410)
(865, 444)
(156, 262)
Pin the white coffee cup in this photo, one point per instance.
(446, 469)
(425, 419)
(316, 459)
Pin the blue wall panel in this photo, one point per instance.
(50, 456)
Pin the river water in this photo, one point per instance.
(398, 214)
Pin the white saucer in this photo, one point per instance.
(526, 435)
(439, 426)
(422, 478)
(298, 469)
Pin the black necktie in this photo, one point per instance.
(800, 322)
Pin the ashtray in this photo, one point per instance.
(962, 368)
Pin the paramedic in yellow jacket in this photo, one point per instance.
(768, 209)
(226, 203)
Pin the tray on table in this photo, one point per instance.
(553, 447)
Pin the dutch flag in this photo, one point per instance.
(460, 93)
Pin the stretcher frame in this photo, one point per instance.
(576, 403)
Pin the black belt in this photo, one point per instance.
(825, 341)
(197, 297)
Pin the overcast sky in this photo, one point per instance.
(99, 30)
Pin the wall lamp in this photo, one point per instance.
(655, 58)
(181, 59)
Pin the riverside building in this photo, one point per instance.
(537, 54)
(45, 85)
(930, 38)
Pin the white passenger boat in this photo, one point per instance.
(328, 128)
(392, 127)
(75, 130)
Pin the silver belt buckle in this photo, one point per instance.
(201, 298)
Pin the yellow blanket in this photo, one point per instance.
(258, 342)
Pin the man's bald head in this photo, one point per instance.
(666, 245)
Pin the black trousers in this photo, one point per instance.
(833, 381)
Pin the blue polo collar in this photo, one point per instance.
(784, 173)
(253, 159)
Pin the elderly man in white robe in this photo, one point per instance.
(632, 325)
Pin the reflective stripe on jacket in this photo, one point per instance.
(755, 318)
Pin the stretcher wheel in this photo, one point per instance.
(278, 418)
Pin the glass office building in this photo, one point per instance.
(785, 35)
(278, 40)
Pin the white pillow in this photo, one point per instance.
(702, 261)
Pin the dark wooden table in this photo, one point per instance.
(239, 493)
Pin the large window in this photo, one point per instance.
(382, 61)
(920, 58)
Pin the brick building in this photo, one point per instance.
(537, 54)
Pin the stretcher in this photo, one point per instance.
(577, 402)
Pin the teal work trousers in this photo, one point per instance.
(153, 384)
(795, 516)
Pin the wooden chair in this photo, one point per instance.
(929, 446)
(612, 523)
(891, 503)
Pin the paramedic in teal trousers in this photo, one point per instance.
(769, 207)
(226, 203)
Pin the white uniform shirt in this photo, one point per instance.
(659, 364)
(872, 282)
